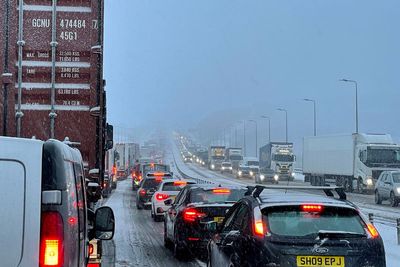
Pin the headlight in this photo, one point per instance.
(251, 173)
(230, 168)
(212, 166)
(369, 181)
(223, 168)
(276, 177)
(293, 174)
(240, 173)
(262, 177)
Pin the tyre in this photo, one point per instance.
(378, 199)
(348, 185)
(393, 200)
(360, 187)
(167, 242)
(178, 251)
(138, 206)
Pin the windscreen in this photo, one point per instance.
(285, 158)
(151, 183)
(236, 157)
(213, 196)
(389, 156)
(226, 164)
(396, 177)
(173, 187)
(253, 163)
(294, 222)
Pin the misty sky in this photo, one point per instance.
(210, 63)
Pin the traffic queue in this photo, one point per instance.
(227, 225)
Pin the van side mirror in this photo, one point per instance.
(104, 224)
(109, 137)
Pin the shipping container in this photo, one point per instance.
(52, 76)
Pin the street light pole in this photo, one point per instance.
(269, 127)
(284, 110)
(256, 136)
(356, 87)
(315, 114)
(244, 138)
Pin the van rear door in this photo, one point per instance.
(20, 179)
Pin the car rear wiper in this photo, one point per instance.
(338, 234)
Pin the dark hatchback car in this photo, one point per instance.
(185, 224)
(148, 187)
(297, 230)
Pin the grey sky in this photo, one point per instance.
(177, 62)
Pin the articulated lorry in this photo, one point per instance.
(353, 161)
(216, 155)
(277, 159)
(234, 156)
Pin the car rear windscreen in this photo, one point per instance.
(216, 195)
(151, 183)
(173, 187)
(294, 221)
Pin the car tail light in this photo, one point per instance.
(91, 249)
(93, 265)
(140, 177)
(104, 185)
(259, 228)
(51, 240)
(221, 191)
(372, 230)
(161, 196)
(192, 214)
(142, 192)
(311, 208)
(180, 183)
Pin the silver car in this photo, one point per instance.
(388, 188)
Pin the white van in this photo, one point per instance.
(43, 204)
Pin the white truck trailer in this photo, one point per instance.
(353, 161)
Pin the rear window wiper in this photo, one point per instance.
(339, 234)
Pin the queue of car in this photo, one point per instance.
(255, 226)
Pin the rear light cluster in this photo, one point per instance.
(259, 227)
(192, 214)
(142, 192)
(161, 196)
(51, 240)
(372, 230)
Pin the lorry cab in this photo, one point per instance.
(45, 205)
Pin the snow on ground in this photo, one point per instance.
(392, 249)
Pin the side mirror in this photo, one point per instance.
(168, 202)
(104, 224)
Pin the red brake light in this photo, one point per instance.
(372, 230)
(259, 228)
(221, 191)
(51, 240)
(91, 249)
(179, 183)
(312, 208)
(191, 215)
(161, 196)
(142, 192)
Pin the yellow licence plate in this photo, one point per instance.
(320, 261)
(218, 219)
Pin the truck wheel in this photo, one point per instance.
(312, 180)
(348, 185)
(360, 188)
(393, 200)
(378, 199)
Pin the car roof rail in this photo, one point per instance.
(255, 191)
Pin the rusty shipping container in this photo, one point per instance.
(52, 77)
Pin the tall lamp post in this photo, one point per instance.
(356, 87)
(269, 127)
(315, 114)
(284, 110)
(256, 136)
(244, 137)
